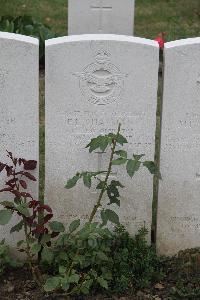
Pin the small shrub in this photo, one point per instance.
(6, 260)
(135, 263)
(26, 25)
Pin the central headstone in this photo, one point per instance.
(101, 16)
(93, 82)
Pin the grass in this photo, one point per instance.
(177, 18)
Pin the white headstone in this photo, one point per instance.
(19, 106)
(179, 205)
(93, 82)
(101, 16)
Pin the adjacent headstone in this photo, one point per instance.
(93, 82)
(179, 205)
(101, 16)
(19, 107)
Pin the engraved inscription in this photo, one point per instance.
(185, 222)
(101, 8)
(101, 82)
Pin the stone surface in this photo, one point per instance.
(92, 83)
(19, 121)
(101, 16)
(179, 206)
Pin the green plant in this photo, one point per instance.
(27, 208)
(6, 260)
(26, 25)
(82, 256)
(135, 263)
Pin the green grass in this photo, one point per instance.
(178, 18)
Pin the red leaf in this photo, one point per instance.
(16, 193)
(26, 195)
(11, 182)
(23, 184)
(54, 234)
(47, 218)
(8, 170)
(6, 190)
(29, 220)
(30, 165)
(29, 176)
(2, 166)
(10, 154)
(44, 207)
(39, 229)
(33, 203)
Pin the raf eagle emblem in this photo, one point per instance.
(101, 82)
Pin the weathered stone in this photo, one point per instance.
(178, 208)
(101, 16)
(19, 122)
(94, 82)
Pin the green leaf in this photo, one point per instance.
(103, 283)
(112, 216)
(104, 143)
(20, 243)
(116, 183)
(57, 226)
(52, 284)
(104, 218)
(72, 182)
(132, 167)
(85, 288)
(47, 255)
(94, 144)
(121, 153)
(74, 278)
(65, 284)
(7, 204)
(17, 227)
(114, 200)
(87, 180)
(23, 209)
(137, 157)
(5, 216)
(100, 185)
(119, 161)
(121, 139)
(101, 255)
(35, 248)
(150, 165)
(62, 269)
(45, 238)
(74, 225)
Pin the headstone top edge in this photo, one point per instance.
(19, 37)
(182, 42)
(101, 37)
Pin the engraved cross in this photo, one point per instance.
(101, 8)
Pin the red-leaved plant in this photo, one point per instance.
(35, 216)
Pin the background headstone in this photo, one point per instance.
(19, 107)
(94, 82)
(101, 16)
(179, 205)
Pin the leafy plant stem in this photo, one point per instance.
(36, 275)
(98, 204)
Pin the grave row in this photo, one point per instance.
(93, 82)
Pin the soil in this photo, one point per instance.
(181, 281)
